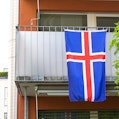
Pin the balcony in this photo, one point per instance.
(40, 58)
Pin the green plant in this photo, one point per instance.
(3, 74)
(115, 44)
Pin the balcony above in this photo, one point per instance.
(40, 57)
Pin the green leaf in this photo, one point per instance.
(116, 64)
(117, 81)
(118, 93)
(117, 73)
(116, 87)
(112, 43)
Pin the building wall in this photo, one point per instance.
(30, 7)
(27, 11)
(20, 110)
(63, 103)
(3, 107)
(80, 5)
(12, 109)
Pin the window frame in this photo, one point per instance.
(5, 115)
(5, 96)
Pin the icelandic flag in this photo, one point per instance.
(85, 55)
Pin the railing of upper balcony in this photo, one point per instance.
(40, 53)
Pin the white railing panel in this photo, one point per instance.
(42, 54)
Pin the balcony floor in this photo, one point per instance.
(60, 87)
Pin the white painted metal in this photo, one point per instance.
(42, 54)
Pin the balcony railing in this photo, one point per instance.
(40, 53)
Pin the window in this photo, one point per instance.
(80, 115)
(5, 115)
(107, 22)
(5, 96)
(5, 69)
(64, 115)
(108, 114)
(63, 20)
(55, 21)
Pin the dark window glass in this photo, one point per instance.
(107, 22)
(63, 115)
(108, 114)
(62, 20)
(53, 22)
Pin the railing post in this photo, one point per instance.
(25, 103)
(36, 89)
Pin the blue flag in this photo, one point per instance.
(85, 55)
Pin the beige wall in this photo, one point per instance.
(12, 107)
